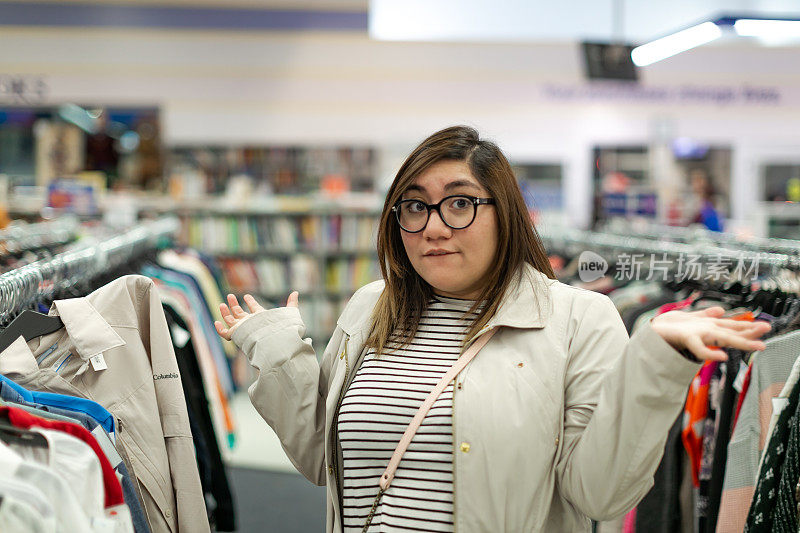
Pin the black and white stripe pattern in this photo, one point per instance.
(381, 401)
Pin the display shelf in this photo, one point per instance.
(281, 295)
(776, 220)
(284, 253)
(325, 255)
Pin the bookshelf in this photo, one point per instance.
(325, 254)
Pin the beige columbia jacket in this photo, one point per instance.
(141, 387)
(565, 418)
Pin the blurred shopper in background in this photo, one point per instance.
(705, 200)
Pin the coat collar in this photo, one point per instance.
(88, 331)
(525, 304)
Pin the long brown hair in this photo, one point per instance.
(405, 296)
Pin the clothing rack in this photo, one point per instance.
(22, 287)
(20, 236)
(574, 241)
(699, 233)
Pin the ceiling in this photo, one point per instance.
(547, 21)
(524, 21)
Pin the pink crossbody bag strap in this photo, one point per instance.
(411, 430)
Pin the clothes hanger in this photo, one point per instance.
(11, 434)
(20, 292)
(29, 324)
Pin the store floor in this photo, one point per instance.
(276, 502)
(270, 495)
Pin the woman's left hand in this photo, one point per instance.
(701, 331)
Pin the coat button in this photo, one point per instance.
(459, 386)
(556, 442)
(330, 470)
(168, 513)
(465, 447)
(520, 365)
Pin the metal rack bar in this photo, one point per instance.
(701, 234)
(20, 236)
(575, 241)
(39, 281)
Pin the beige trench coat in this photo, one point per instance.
(141, 387)
(565, 417)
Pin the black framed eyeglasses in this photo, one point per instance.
(457, 212)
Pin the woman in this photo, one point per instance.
(704, 196)
(558, 419)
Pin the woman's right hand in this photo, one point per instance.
(234, 315)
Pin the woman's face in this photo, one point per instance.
(461, 271)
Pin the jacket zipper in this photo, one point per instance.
(334, 427)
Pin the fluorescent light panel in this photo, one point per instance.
(767, 28)
(668, 46)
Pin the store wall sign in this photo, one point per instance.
(716, 95)
(621, 204)
(17, 89)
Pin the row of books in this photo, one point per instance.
(349, 232)
(244, 234)
(300, 272)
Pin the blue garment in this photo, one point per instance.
(189, 287)
(710, 218)
(10, 394)
(71, 403)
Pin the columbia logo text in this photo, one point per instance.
(171, 375)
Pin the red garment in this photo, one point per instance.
(683, 304)
(629, 524)
(23, 419)
(696, 409)
(694, 417)
(740, 401)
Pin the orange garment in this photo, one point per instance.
(696, 409)
(694, 417)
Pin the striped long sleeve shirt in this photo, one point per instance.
(384, 396)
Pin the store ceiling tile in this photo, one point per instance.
(545, 20)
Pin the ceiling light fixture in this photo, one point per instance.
(767, 28)
(673, 44)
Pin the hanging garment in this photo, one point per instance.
(660, 511)
(19, 515)
(122, 357)
(723, 429)
(22, 419)
(192, 265)
(15, 490)
(760, 515)
(695, 413)
(787, 502)
(218, 487)
(220, 408)
(76, 462)
(132, 499)
(69, 515)
(63, 401)
(742, 393)
(770, 369)
(188, 286)
(794, 376)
